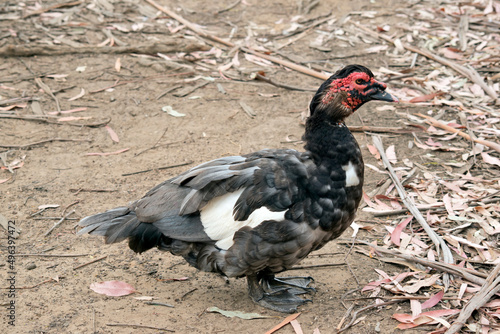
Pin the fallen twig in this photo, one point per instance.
(38, 284)
(93, 261)
(53, 120)
(188, 293)
(77, 191)
(159, 168)
(58, 223)
(141, 326)
(443, 126)
(471, 275)
(367, 128)
(147, 149)
(261, 77)
(104, 154)
(400, 298)
(54, 218)
(48, 91)
(316, 266)
(17, 100)
(445, 252)
(168, 90)
(52, 255)
(189, 90)
(231, 6)
(70, 205)
(159, 304)
(434, 207)
(44, 142)
(167, 45)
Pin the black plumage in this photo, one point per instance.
(259, 214)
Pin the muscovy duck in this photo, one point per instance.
(259, 214)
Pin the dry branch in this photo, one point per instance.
(436, 239)
(261, 77)
(159, 168)
(53, 120)
(43, 142)
(141, 326)
(489, 288)
(368, 128)
(167, 46)
(471, 275)
(17, 99)
(59, 223)
(443, 126)
(48, 91)
(52, 255)
(90, 262)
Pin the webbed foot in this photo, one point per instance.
(279, 294)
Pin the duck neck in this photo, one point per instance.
(329, 140)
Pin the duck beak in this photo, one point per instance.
(382, 95)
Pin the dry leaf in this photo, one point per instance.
(147, 298)
(396, 234)
(433, 300)
(113, 288)
(112, 134)
(425, 98)
(82, 93)
(12, 106)
(5, 180)
(412, 288)
(48, 206)
(283, 323)
(72, 118)
(108, 153)
(407, 321)
(296, 327)
(238, 314)
(416, 307)
(489, 159)
(169, 110)
(373, 150)
(118, 64)
(391, 154)
(66, 111)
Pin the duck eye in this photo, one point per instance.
(359, 81)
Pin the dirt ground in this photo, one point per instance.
(60, 173)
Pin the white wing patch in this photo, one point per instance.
(219, 224)
(351, 177)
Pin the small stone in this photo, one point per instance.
(31, 266)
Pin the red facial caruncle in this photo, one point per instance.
(357, 85)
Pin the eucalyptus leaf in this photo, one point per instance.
(238, 314)
(169, 110)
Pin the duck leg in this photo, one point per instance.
(275, 295)
(296, 285)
